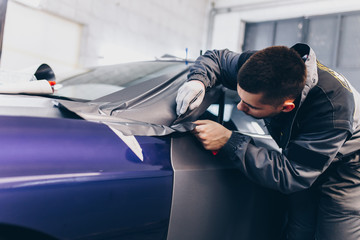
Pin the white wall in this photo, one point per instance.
(38, 37)
(227, 29)
(114, 31)
(123, 30)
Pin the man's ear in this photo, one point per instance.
(288, 105)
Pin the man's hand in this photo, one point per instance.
(211, 134)
(190, 95)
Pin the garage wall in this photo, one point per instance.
(112, 31)
(39, 37)
(116, 31)
(122, 30)
(227, 28)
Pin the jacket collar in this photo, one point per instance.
(309, 57)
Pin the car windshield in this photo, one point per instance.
(104, 80)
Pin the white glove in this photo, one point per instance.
(190, 95)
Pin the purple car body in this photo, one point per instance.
(61, 176)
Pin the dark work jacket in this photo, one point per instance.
(322, 129)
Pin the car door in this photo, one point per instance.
(212, 199)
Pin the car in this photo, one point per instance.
(106, 157)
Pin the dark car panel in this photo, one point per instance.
(213, 200)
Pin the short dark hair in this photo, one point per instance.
(278, 72)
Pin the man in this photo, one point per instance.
(311, 112)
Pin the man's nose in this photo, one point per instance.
(242, 107)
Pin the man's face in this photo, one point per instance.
(251, 105)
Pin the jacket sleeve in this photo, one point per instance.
(218, 66)
(295, 169)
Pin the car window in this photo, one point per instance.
(238, 120)
(104, 80)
